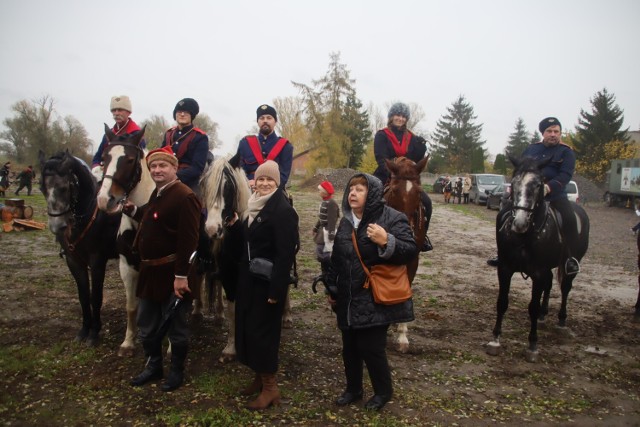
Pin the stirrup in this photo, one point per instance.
(571, 266)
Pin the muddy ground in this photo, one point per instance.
(590, 377)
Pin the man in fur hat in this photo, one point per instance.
(254, 150)
(121, 109)
(168, 235)
(190, 144)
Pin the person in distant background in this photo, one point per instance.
(4, 178)
(25, 177)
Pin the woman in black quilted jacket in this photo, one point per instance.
(384, 237)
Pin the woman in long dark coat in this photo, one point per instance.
(383, 236)
(270, 231)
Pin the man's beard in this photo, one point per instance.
(265, 130)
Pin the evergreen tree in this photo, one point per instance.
(535, 137)
(335, 118)
(518, 140)
(597, 129)
(356, 127)
(457, 139)
(500, 164)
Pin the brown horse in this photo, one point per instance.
(405, 194)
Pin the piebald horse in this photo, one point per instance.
(126, 177)
(404, 195)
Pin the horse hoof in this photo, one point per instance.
(531, 356)
(287, 324)
(636, 318)
(226, 358)
(197, 317)
(218, 321)
(126, 352)
(493, 348)
(82, 335)
(565, 332)
(403, 348)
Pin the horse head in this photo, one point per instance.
(65, 185)
(122, 164)
(225, 191)
(527, 191)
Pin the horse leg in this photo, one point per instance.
(98, 269)
(130, 280)
(544, 308)
(504, 279)
(81, 277)
(403, 339)
(218, 304)
(539, 285)
(229, 352)
(567, 284)
(287, 319)
(636, 316)
(196, 283)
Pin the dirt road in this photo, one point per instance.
(589, 378)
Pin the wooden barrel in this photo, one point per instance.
(11, 212)
(27, 212)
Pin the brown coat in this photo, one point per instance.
(169, 225)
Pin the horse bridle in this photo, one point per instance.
(137, 174)
(530, 211)
(74, 196)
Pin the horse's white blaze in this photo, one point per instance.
(104, 195)
(525, 201)
(409, 185)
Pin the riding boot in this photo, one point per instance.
(493, 262)
(153, 368)
(176, 372)
(270, 394)
(428, 209)
(254, 387)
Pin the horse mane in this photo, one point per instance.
(213, 189)
(63, 162)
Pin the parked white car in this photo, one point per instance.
(572, 192)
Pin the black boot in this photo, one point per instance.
(176, 373)
(493, 262)
(572, 266)
(153, 369)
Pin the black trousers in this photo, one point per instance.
(369, 346)
(569, 224)
(428, 208)
(151, 315)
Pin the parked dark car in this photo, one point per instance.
(438, 184)
(497, 197)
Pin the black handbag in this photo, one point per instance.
(259, 267)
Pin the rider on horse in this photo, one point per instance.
(557, 174)
(267, 145)
(397, 141)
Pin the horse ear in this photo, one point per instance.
(422, 164)
(135, 139)
(391, 165)
(235, 161)
(110, 135)
(544, 163)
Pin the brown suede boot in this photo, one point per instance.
(253, 388)
(270, 394)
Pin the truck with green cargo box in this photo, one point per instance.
(622, 183)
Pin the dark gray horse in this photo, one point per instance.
(87, 237)
(529, 242)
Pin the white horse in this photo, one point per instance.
(126, 177)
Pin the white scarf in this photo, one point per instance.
(255, 205)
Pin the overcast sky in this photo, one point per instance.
(510, 58)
